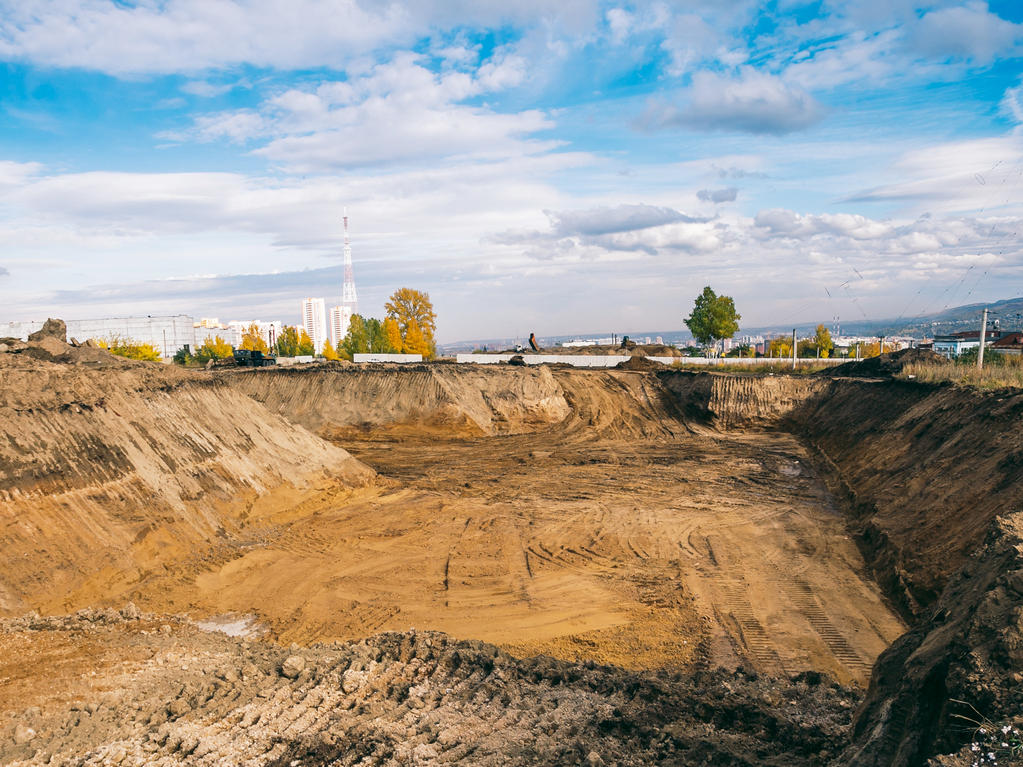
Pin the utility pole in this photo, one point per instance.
(980, 351)
(793, 348)
(880, 345)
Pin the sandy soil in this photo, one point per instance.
(618, 534)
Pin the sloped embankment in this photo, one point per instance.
(110, 476)
(414, 400)
(924, 469)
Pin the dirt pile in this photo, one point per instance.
(883, 366)
(640, 363)
(962, 663)
(410, 400)
(416, 697)
(113, 477)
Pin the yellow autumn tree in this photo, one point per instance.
(213, 349)
(413, 309)
(130, 348)
(416, 342)
(329, 352)
(392, 333)
(253, 340)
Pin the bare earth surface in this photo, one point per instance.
(618, 534)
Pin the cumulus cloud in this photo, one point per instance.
(399, 111)
(786, 223)
(728, 194)
(622, 228)
(188, 36)
(4, 272)
(964, 32)
(753, 102)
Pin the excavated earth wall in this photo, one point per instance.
(924, 469)
(111, 475)
(339, 401)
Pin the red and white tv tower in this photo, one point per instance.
(348, 298)
(341, 316)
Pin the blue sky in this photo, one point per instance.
(572, 167)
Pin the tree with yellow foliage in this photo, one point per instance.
(329, 352)
(780, 348)
(253, 340)
(414, 314)
(213, 349)
(392, 334)
(130, 349)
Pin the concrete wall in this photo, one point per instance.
(389, 358)
(610, 360)
(166, 334)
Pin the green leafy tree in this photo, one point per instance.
(287, 342)
(806, 348)
(356, 340)
(131, 349)
(213, 349)
(183, 356)
(713, 318)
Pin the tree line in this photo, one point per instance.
(408, 327)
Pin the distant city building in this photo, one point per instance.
(314, 320)
(209, 322)
(268, 331)
(165, 334)
(340, 320)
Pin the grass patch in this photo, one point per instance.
(1002, 373)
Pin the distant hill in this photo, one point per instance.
(1009, 312)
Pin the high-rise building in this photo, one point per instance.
(340, 319)
(314, 321)
(349, 300)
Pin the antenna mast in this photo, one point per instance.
(349, 301)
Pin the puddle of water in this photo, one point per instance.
(233, 625)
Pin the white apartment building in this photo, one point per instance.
(314, 320)
(340, 320)
(268, 331)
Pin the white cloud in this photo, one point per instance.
(194, 35)
(728, 194)
(964, 32)
(754, 102)
(396, 112)
(786, 223)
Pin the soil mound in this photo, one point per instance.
(411, 698)
(884, 366)
(113, 476)
(963, 662)
(641, 363)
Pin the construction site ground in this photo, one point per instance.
(620, 534)
(548, 525)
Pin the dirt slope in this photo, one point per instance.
(962, 663)
(447, 400)
(109, 476)
(921, 470)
